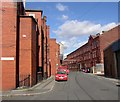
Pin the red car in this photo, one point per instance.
(61, 75)
(64, 68)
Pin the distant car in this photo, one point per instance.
(67, 71)
(82, 69)
(87, 70)
(61, 75)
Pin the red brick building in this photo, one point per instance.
(112, 60)
(27, 51)
(37, 15)
(25, 47)
(43, 42)
(91, 53)
(45, 46)
(54, 55)
(58, 54)
(10, 44)
(48, 52)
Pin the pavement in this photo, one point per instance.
(101, 76)
(42, 87)
(80, 86)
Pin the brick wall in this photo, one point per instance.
(27, 65)
(48, 51)
(28, 50)
(108, 38)
(0, 46)
(109, 62)
(9, 32)
(34, 52)
(37, 14)
(112, 60)
(53, 56)
(44, 27)
(38, 17)
(58, 54)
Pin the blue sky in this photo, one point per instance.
(72, 22)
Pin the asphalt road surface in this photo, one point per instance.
(80, 86)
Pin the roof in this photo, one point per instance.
(77, 49)
(94, 36)
(29, 10)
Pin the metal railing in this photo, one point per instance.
(24, 80)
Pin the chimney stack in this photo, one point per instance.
(45, 18)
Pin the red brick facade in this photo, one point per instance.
(45, 45)
(28, 47)
(0, 45)
(8, 48)
(58, 54)
(54, 55)
(25, 46)
(91, 54)
(48, 52)
(38, 17)
(112, 60)
(108, 38)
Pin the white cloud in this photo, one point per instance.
(77, 45)
(71, 43)
(73, 47)
(108, 26)
(64, 17)
(70, 33)
(61, 7)
(77, 28)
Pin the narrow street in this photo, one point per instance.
(44, 41)
(80, 86)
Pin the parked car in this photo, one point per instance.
(61, 75)
(87, 70)
(67, 71)
(82, 69)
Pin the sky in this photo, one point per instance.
(71, 23)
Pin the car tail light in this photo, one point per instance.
(66, 76)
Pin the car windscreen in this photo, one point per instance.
(61, 72)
